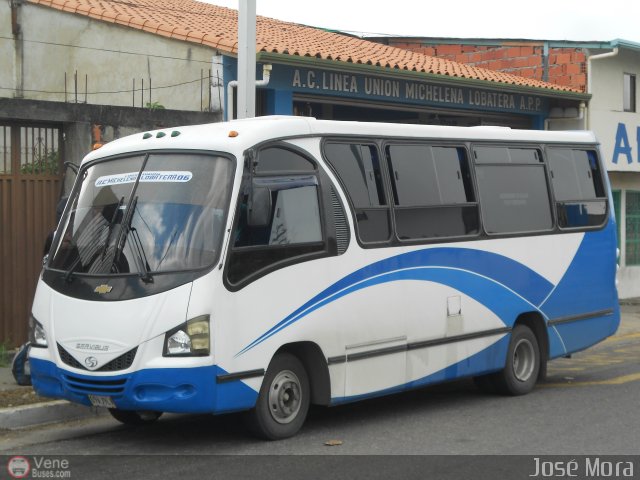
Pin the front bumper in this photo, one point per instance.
(178, 390)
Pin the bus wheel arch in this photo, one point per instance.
(536, 324)
(303, 367)
(526, 357)
(499, 382)
(315, 363)
(283, 400)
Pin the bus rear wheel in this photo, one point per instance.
(521, 370)
(283, 401)
(133, 417)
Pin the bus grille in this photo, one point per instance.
(342, 228)
(94, 386)
(122, 362)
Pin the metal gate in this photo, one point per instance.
(30, 182)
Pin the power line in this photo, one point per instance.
(131, 90)
(108, 50)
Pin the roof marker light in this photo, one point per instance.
(233, 134)
(160, 134)
(146, 135)
(175, 133)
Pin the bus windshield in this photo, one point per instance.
(145, 214)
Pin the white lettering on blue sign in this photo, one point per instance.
(156, 177)
(434, 93)
(415, 92)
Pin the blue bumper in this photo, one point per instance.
(178, 390)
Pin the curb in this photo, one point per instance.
(15, 418)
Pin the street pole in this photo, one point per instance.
(247, 59)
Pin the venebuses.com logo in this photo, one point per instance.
(18, 467)
(38, 467)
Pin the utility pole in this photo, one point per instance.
(246, 58)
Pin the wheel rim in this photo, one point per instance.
(285, 397)
(523, 360)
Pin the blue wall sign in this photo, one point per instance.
(401, 91)
(287, 80)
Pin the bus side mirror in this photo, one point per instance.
(259, 211)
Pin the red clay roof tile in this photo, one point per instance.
(214, 26)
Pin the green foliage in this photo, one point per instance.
(154, 106)
(4, 355)
(46, 164)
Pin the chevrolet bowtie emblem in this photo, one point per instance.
(102, 289)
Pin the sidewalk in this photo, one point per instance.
(20, 407)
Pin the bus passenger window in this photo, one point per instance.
(433, 192)
(358, 169)
(513, 190)
(578, 187)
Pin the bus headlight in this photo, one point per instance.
(37, 337)
(189, 339)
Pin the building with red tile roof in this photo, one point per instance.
(79, 72)
(314, 70)
(216, 27)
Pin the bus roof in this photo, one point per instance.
(237, 135)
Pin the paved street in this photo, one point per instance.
(587, 406)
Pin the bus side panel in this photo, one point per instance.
(584, 333)
(583, 309)
(488, 360)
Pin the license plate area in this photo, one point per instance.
(101, 401)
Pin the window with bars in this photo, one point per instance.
(29, 150)
(5, 149)
(39, 151)
(632, 223)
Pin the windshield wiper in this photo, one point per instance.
(145, 270)
(68, 276)
(125, 227)
(110, 227)
(136, 243)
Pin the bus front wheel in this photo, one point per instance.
(132, 417)
(283, 401)
(521, 370)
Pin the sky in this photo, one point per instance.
(580, 20)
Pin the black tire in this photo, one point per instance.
(521, 370)
(133, 417)
(283, 401)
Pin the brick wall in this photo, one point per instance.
(566, 66)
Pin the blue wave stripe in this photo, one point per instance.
(500, 269)
(589, 282)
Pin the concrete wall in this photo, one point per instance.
(606, 110)
(616, 128)
(107, 59)
(85, 125)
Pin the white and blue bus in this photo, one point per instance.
(273, 263)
